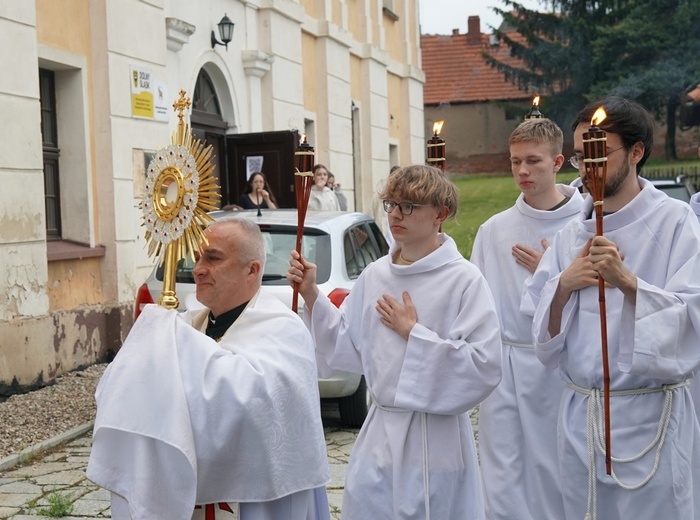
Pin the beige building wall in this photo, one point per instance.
(344, 71)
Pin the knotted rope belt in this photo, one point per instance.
(506, 341)
(595, 436)
(426, 466)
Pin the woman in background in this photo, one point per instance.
(257, 194)
(322, 197)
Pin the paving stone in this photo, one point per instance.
(7, 512)
(16, 499)
(64, 471)
(97, 493)
(41, 469)
(21, 486)
(61, 478)
(337, 476)
(89, 508)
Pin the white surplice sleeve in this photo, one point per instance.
(537, 300)
(665, 322)
(335, 345)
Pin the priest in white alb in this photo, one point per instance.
(214, 413)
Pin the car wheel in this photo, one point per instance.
(353, 408)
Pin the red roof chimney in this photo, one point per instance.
(474, 30)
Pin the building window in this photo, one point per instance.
(52, 198)
(388, 9)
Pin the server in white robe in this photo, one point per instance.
(518, 421)
(228, 421)
(649, 257)
(420, 324)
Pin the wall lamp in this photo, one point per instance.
(225, 33)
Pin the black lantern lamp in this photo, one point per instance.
(225, 33)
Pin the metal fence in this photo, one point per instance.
(692, 173)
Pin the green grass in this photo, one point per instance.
(60, 505)
(480, 197)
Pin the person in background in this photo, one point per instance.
(322, 197)
(217, 407)
(649, 258)
(420, 324)
(342, 199)
(518, 421)
(257, 194)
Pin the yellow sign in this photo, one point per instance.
(141, 92)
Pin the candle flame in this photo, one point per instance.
(437, 127)
(302, 138)
(598, 117)
(536, 101)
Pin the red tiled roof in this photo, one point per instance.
(455, 71)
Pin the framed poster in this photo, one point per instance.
(253, 163)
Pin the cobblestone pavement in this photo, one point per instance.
(26, 491)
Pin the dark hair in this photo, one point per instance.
(626, 118)
(249, 186)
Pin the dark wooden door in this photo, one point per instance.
(277, 152)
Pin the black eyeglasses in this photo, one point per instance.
(406, 208)
(577, 160)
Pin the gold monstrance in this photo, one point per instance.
(180, 189)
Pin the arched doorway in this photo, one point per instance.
(234, 153)
(208, 124)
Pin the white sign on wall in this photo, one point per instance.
(161, 98)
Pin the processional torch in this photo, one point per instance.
(303, 181)
(534, 112)
(179, 190)
(595, 162)
(436, 147)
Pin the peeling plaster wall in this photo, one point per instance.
(33, 352)
(74, 284)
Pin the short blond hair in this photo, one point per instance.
(539, 131)
(422, 184)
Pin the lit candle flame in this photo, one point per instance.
(437, 127)
(302, 138)
(598, 117)
(536, 101)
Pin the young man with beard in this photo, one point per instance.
(518, 421)
(649, 258)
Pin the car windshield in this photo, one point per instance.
(279, 242)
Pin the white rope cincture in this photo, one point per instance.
(595, 437)
(506, 341)
(426, 464)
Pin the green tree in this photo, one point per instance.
(581, 50)
(555, 49)
(653, 55)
